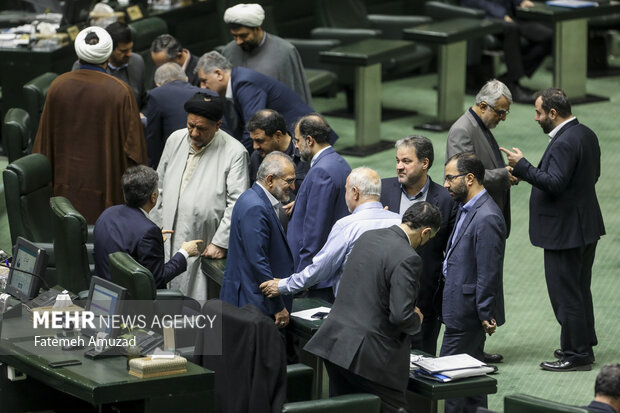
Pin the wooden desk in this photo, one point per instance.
(366, 57)
(92, 385)
(570, 44)
(451, 37)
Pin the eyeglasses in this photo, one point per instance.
(500, 112)
(450, 178)
(289, 181)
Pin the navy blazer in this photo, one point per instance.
(192, 77)
(253, 91)
(474, 290)
(127, 229)
(165, 114)
(257, 252)
(429, 299)
(564, 209)
(318, 205)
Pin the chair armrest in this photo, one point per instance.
(165, 294)
(344, 35)
(442, 11)
(392, 26)
(90, 238)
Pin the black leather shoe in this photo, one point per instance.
(521, 95)
(558, 354)
(564, 365)
(493, 358)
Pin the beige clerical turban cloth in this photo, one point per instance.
(96, 53)
(248, 15)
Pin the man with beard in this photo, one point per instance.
(565, 220)
(264, 52)
(257, 249)
(473, 298)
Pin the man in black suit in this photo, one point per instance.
(365, 341)
(128, 228)
(606, 390)
(414, 158)
(565, 220)
(166, 48)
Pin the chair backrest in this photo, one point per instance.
(144, 31)
(17, 134)
(70, 237)
(348, 14)
(128, 273)
(27, 189)
(35, 92)
(350, 403)
(524, 403)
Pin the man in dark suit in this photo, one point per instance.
(250, 92)
(414, 158)
(128, 228)
(565, 220)
(166, 48)
(473, 298)
(164, 109)
(257, 248)
(365, 341)
(606, 390)
(320, 201)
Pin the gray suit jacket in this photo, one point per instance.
(367, 331)
(466, 135)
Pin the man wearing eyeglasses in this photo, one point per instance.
(472, 133)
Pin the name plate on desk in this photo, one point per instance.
(134, 13)
(72, 31)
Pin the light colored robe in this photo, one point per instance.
(204, 208)
(275, 58)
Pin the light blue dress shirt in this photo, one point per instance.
(327, 264)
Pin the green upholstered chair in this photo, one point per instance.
(17, 134)
(350, 403)
(524, 403)
(71, 249)
(299, 378)
(144, 32)
(35, 92)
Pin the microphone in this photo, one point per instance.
(11, 267)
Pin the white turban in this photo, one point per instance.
(248, 15)
(93, 53)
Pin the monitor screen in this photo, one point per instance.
(105, 301)
(27, 270)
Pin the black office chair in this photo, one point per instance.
(144, 31)
(35, 92)
(17, 134)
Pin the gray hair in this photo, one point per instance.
(367, 181)
(169, 72)
(492, 91)
(272, 164)
(211, 61)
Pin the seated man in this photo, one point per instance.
(606, 390)
(250, 92)
(264, 52)
(128, 228)
(166, 48)
(123, 64)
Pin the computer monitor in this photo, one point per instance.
(27, 270)
(105, 300)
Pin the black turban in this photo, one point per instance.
(208, 106)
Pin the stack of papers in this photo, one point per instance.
(448, 368)
(572, 4)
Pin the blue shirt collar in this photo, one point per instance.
(367, 205)
(419, 194)
(92, 67)
(472, 201)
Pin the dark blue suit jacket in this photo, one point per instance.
(253, 91)
(564, 209)
(474, 288)
(429, 299)
(165, 114)
(319, 204)
(257, 252)
(127, 229)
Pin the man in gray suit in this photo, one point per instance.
(473, 300)
(472, 133)
(365, 340)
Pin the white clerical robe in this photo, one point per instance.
(204, 208)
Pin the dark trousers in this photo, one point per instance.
(520, 62)
(568, 274)
(426, 338)
(470, 342)
(342, 381)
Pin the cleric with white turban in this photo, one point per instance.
(248, 15)
(93, 45)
